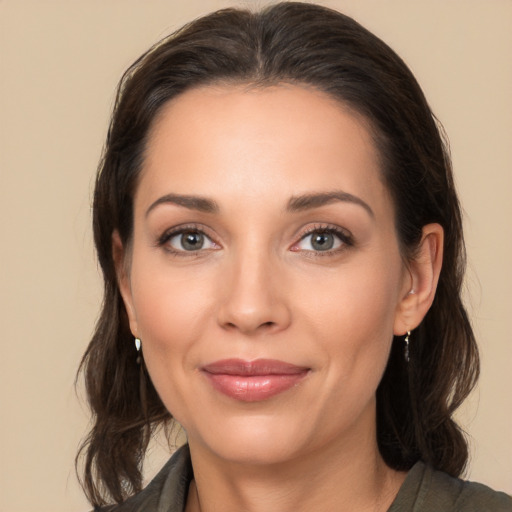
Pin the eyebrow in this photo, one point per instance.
(201, 204)
(295, 204)
(315, 200)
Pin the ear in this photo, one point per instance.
(420, 288)
(121, 262)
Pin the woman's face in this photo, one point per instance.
(265, 277)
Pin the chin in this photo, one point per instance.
(252, 440)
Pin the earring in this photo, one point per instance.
(142, 385)
(138, 345)
(406, 352)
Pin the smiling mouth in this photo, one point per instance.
(253, 381)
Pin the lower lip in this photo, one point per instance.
(254, 388)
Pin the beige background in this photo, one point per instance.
(60, 61)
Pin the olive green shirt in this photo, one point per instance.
(424, 490)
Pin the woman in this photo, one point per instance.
(282, 251)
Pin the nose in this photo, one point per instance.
(254, 296)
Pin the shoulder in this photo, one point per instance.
(474, 496)
(167, 492)
(428, 490)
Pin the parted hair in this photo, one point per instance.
(309, 45)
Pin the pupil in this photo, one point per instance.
(322, 241)
(192, 241)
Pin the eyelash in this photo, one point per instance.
(343, 236)
(179, 230)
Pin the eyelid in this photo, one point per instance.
(342, 234)
(168, 234)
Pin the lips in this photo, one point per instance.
(253, 381)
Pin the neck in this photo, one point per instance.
(342, 476)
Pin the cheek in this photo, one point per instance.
(359, 297)
(353, 317)
(166, 298)
(172, 317)
(172, 313)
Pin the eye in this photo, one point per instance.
(187, 240)
(323, 240)
(319, 241)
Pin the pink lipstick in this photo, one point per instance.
(253, 381)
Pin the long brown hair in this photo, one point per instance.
(303, 44)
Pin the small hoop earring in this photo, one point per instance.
(138, 345)
(406, 351)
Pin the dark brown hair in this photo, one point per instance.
(315, 46)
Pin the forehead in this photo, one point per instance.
(235, 141)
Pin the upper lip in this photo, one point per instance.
(253, 368)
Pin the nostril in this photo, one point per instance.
(259, 327)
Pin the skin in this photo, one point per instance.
(258, 288)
